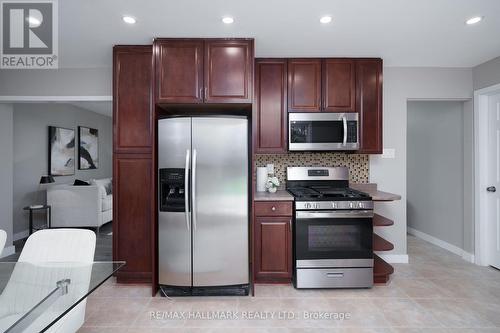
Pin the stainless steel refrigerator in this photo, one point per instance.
(203, 205)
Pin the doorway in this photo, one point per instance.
(29, 121)
(440, 174)
(487, 123)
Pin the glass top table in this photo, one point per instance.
(34, 297)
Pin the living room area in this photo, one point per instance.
(56, 170)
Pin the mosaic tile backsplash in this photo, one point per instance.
(358, 164)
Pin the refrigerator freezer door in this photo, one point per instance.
(220, 203)
(174, 229)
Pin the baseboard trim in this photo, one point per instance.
(7, 251)
(469, 257)
(442, 244)
(21, 235)
(394, 258)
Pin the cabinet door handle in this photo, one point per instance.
(273, 208)
(201, 93)
(290, 224)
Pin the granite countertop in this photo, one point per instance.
(373, 191)
(280, 195)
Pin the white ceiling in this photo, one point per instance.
(102, 107)
(402, 32)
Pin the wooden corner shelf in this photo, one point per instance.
(381, 221)
(381, 270)
(380, 244)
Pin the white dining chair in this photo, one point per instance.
(59, 245)
(54, 254)
(3, 239)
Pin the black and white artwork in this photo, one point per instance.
(88, 148)
(61, 151)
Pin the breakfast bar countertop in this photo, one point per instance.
(373, 191)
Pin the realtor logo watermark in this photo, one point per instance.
(29, 34)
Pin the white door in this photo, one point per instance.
(493, 187)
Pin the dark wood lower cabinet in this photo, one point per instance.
(273, 249)
(132, 216)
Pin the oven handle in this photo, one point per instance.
(345, 214)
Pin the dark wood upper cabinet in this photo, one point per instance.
(304, 85)
(196, 71)
(369, 104)
(270, 119)
(179, 71)
(132, 98)
(273, 249)
(228, 71)
(339, 85)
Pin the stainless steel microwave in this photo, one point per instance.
(323, 131)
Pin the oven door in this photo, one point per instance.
(334, 238)
(323, 131)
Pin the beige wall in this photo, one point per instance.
(487, 74)
(400, 85)
(6, 171)
(56, 82)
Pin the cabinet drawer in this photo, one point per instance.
(273, 208)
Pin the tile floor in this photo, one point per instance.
(436, 292)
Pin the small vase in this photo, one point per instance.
(272, 189)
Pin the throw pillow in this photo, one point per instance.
(109, 188)
(79, 182)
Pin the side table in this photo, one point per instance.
(36, 208)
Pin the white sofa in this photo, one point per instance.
(80, 206)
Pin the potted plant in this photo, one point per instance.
(272, 184)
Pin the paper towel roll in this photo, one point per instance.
(270, 169)
(261, 179)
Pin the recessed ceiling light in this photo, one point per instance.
(227, 19)
(474, 20)
(325, 19)
(129, 19)
(34, 22)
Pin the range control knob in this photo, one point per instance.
(360, 205)
(351, 204)
(334, 205)
(307, 205)
(316, 205)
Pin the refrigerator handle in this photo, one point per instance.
(193, 188)
(186, 189)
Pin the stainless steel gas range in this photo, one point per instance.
(333, 229)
